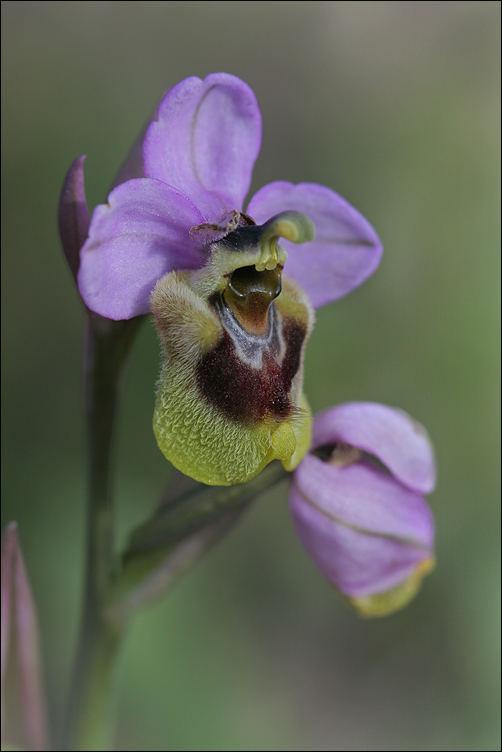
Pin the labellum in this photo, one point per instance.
(233, 335)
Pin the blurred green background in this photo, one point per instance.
(395, 105)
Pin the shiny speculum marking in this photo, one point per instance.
(248, 377)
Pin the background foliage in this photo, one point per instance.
(395, 105)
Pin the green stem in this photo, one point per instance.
(90, 715)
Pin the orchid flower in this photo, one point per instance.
(358, 508)
(232, 327)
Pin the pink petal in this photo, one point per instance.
(356, 562)
(140, 235)
(346, 249)
(366, 498)
(205, 142)
(398, 441)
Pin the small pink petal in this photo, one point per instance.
(346, 249)
(390, 434)
(140, 235)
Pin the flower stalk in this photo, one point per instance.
(90, 713)
(180, 532)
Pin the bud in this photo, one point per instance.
(233, 334)
(73, 214)
(358, 507)
(25, 724)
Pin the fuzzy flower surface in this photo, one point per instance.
(358, 507)
(197, 163)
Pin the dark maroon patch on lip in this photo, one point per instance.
(245, 394)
